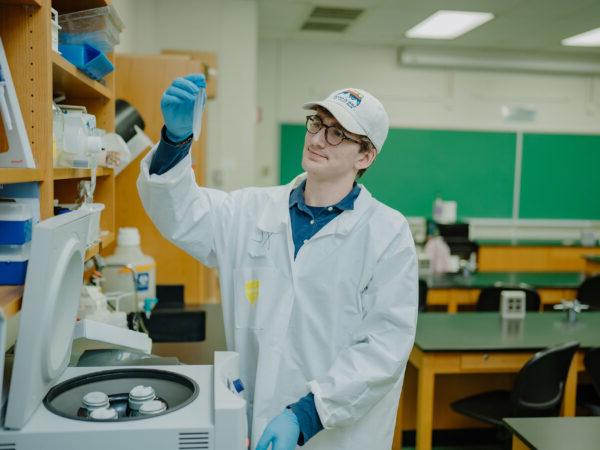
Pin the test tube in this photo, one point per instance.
(198, 110)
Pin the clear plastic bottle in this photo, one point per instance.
(118, 275)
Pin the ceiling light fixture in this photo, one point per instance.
(448, 24)
(588, 39)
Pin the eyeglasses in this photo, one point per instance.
(333, 134)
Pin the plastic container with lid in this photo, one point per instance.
(15, 223)
(128, 269)
(104, 414)
(152, 408)
(13, 263)
(139, 396)
(99, 27)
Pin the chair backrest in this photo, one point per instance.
(489, 298)
(539, 387)
(423, 288)
(592, 366)
(588, 292)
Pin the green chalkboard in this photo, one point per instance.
(560, 177)
(475, 168)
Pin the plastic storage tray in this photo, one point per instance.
(99, 27)
(15, 223)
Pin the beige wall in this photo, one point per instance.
(228, 28)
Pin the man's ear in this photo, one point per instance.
(366, 159)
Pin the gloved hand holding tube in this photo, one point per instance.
(178, 104)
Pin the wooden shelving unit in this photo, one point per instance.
(69, 79)
(66, 173)
(10, 176)
(37, 3)
(40, 74)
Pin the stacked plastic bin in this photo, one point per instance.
(15, 237)
(87, 36)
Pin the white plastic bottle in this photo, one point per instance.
(118, 278)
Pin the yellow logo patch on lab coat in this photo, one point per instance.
(252, 287)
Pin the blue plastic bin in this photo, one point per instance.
(88, 59)
(15, 223)
(13, 263)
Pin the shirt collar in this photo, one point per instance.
(297, 197)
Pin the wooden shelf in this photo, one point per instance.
(66, 6)
(11, 176)
(22, 2)
(105, 241)
(10, 299)
(74, 83)
(67, 173)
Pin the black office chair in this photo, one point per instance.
(423, 288)
(591, 399)
(537, 392)
(588, 292)
(489, 298)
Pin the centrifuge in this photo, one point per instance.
(199, 407)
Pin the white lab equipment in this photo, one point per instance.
(80, 144)
(128, 270)
(55, 29)
(512, 304)
(45, 402)
(19, 150)
(93, 305)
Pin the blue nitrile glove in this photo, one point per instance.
(177, 105)
(282, 432)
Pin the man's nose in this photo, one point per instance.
(318, 139)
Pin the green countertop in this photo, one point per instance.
(478, 280)
(481, 331)
(531, 243)
(557, 433)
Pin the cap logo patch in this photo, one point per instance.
(350, 97)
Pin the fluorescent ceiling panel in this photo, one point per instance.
(588, 39)
(448, 24)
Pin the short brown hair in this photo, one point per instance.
(365, 146)
(365, 143)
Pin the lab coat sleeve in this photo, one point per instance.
(192, 217)
(364, 372)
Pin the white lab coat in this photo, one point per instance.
(339, 320)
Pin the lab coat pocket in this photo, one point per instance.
(261, 295)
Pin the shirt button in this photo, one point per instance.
(305, 241)
(312, 222)
(330, 208)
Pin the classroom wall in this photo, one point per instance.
(266, 81)
(228, 28)
(293, 72)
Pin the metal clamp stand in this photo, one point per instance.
(572, 307)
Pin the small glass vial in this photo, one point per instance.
(138, 396)
(93, 401)
(152, 407)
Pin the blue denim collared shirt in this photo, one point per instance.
(308, 220)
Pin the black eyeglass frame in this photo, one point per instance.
(327, 127)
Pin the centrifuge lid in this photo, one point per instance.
(50, 302)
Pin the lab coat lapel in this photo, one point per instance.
(338, 228)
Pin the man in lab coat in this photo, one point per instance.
(318, 279)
